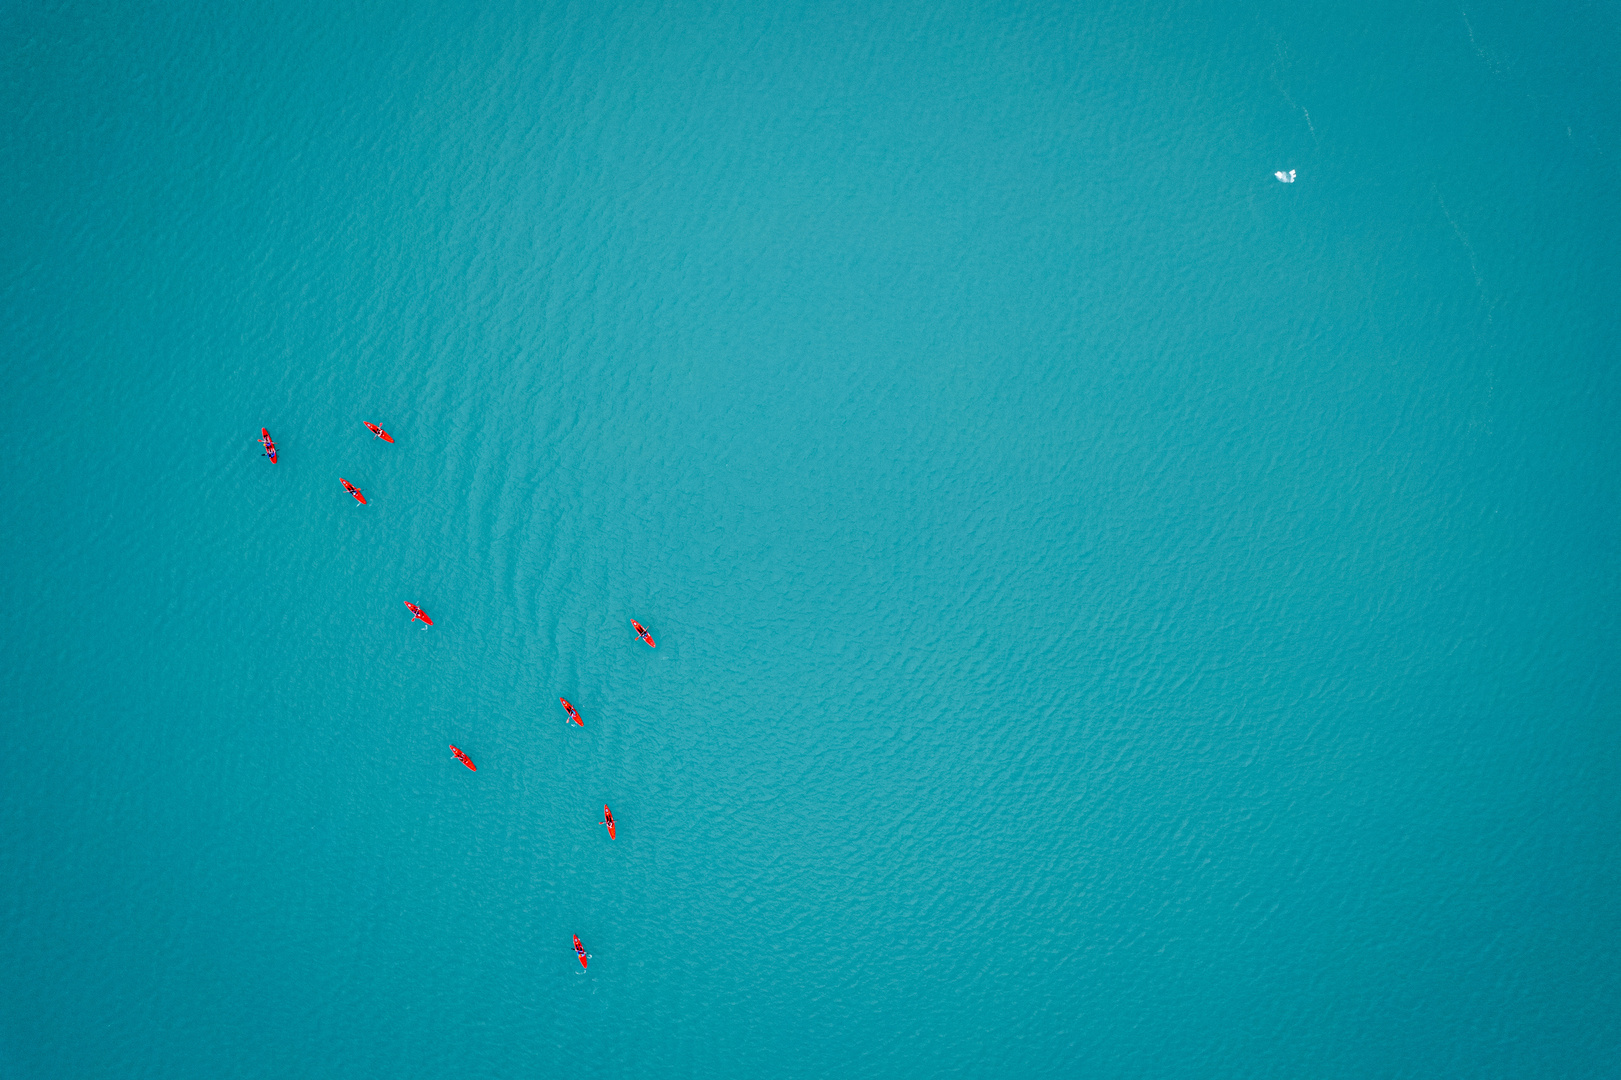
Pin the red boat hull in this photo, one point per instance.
(579, 950)
(351, 489)
(416, 613)
(608, 820)
(269, 444)
(641, 632)
(379, 432)
(573, 713)
(463, 758)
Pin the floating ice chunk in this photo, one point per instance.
(1285, 177)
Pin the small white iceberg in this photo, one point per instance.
(1285, 177)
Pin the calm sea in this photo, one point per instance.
(1118, 615)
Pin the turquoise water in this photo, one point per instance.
(1117, 614)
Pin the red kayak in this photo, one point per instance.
(641, 632)
(463, 758)
(351, 489)
(269, 444)
(579, 950)
(573, 713)
(417, 613)
(377, 431)
(608, 820)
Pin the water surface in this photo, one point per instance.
(1118, 615)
